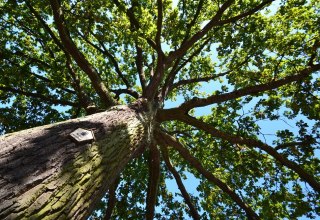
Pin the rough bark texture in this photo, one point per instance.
(44, 174)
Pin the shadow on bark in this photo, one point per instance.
(45, 173)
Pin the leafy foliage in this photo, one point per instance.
(245, 75)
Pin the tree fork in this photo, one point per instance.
(45, 174)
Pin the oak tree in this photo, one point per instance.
(225, 93)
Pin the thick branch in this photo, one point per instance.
(45, 98)
(153, 183)
(193, 211)
(189, 43)
(159, 24)
(246, 14)
(170, 141)
(152, 88)
(253, 144)
(80, 59)
(139, 64)
(169, 79)
(118, 92)
(84, 99)
(251, 90)
(112, 199)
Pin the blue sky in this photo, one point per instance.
(268, 127)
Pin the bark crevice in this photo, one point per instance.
(46, 175)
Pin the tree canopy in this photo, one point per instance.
(235, 86)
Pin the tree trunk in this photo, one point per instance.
(46, 174)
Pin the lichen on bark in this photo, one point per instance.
(47, 175)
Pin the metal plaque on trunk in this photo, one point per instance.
(82, 135)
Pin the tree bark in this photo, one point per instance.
(45, 174)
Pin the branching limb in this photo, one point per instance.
(152, 88)
(153, 182)
(159, 25)
(204, 79)
(193, 21)
(189, 43)
(84, 99)
(45, 26)
(293, 144)
(33, 60)
(105, 52)
(315, 46)
(131, 92)
(193, 211)
(194, 54)
(80, 59)
(44, 79)
(170, 79)
(215, 21)
(167, 140)
(246, 14)
(112, 199)
(176, 68)
(139, 64)
(135, 25)
(139, 58)
(133, 21)
(49, 99)
(250, 90)
(253, 144)
(196, 80)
